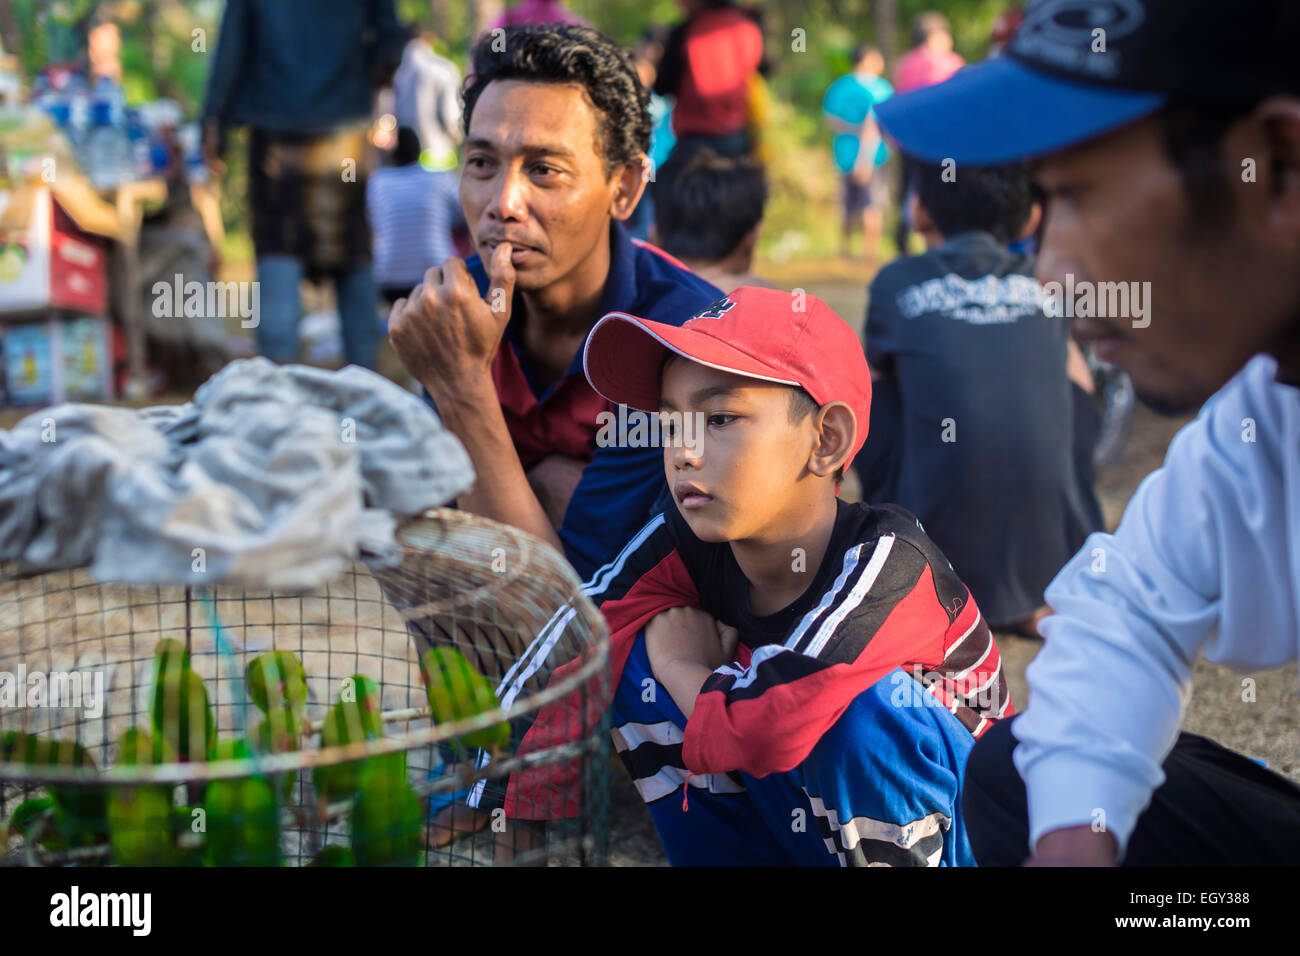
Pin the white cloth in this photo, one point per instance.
(1206, 558)
(274, 477)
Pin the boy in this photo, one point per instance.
(708, 213)
(974, 424)
(811, 672)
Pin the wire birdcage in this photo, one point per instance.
(79, 658)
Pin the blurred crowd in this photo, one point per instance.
(500, 220)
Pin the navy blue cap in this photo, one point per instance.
(1077, 69)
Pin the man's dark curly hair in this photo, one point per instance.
(570, 54)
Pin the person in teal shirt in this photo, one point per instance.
(848, 105)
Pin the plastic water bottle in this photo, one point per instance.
(109, 149)
(78, 127)
(141, 154)
(191, 137)
(57, 106)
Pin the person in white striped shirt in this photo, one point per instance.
(412, 213)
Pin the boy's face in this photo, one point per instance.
(736, 464)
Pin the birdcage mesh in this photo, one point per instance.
(81, 665)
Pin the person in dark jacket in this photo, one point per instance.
(300, 75)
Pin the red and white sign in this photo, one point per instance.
(49, 262)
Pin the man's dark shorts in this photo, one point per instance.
(857, 197)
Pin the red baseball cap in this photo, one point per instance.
(788, 338)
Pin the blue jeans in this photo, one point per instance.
(281, 308)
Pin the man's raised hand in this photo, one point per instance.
(445, 333)
(501, 282)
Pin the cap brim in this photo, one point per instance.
(624, 356)
(1001, 111)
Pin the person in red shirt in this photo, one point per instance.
(556, 129)
(932, 59)
(708, 62)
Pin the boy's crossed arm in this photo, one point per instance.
(768, 716)
(685, 646)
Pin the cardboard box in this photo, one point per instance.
(30, 369)
(46, 259)
(87, 363)
(64, 358)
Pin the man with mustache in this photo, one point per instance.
(1156, 168)
(557, 129)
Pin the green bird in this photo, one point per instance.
(352, 719)
(276, 679)
(138, 746)
(140, 829)
(227, 748)
(79, 811)
(170, 652)
(182, 824)
(243, 815)
(231, 748)
(139, 817)
(333, 855)
(386, 818)
(180, 712)
(31, 818)
(279, 732)
(456, 691)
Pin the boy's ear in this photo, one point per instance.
(631, 183)
(837, 430)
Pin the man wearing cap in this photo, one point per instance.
(1156, 170)
(799, 680)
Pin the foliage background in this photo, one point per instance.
(159, 59)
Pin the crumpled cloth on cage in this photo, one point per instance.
(273, 477)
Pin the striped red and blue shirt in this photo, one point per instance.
(884, 599)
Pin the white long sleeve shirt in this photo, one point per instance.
(1207, 557)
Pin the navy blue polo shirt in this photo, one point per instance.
(620, 485)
